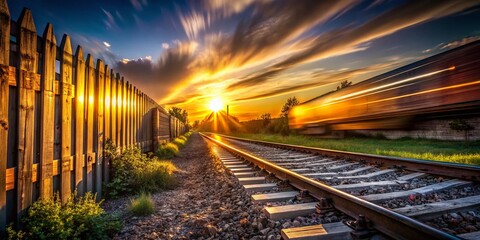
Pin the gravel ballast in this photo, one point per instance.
(208, 203)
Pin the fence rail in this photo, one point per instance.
(54, 121)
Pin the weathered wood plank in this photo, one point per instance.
(79, 119)
(107, 119)
(119, 110)
(4, 95)
(27, 65)
(330, 231)
(123, 109)
(244, 174)
(423, 190)
(113, 107)
(47, 113)
(156, 128)
(66, 74)
(432, 210)
(365, 176)
(259, 187)
(134, 116)
(274, 197)
(290, 211)
(90, 82)
(366, 185)
(470, 235)
(99, 134)
(127, 114)
(251, 180)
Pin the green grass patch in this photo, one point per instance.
(179, 142)
(170, 150)
(135, 172)
(445, 151)
(78, 218)
(167, 151)
(142, 205)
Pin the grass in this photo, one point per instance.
(142, 206)
(445, 151)
(170, 150)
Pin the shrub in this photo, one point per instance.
(179, 142)
(142, 206)
(133, 172)
(167, 151)
(154, 176)
(79, 218)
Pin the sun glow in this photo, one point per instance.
(216, 104)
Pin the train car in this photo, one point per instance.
(446, 83)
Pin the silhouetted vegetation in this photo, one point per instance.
(344, 84)
(179, 113)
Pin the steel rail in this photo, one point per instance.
(386, 221)
(454, 170)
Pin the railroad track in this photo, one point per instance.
(394, 197)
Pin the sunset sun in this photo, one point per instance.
(216, 104)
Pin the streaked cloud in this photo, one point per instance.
(139, 4)
(460, 42)
(344, 40)
(106, 44)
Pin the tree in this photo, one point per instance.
(196, 124)
(291, 102)
(461, 125)
(344, 84)
(179, 113)
(266, 117)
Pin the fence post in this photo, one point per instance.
(79, 119)
(107, 115)
(66, 92)
(47, 113)
(99, 133)
(26, 78)
(113, 107)
(123, 106)
(4, 89)
(90, 81)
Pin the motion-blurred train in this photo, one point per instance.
(446, 84)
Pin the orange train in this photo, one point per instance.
(446, 84)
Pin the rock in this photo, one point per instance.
(286, 225)
(265, 231)
(244, 222)
(296, 223)
(244, 214)
(259, 226)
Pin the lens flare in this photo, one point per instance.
(216, 104)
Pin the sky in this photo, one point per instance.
(254, 54)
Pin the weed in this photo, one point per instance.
(142, 206)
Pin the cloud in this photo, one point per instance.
(110, 22)
(344, 40)
(322, 77)
(461, 42)
(106, 44)
(162, 76)
(165, 45)
(194, 23)
(226, 8)
(139, 4)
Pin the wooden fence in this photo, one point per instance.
(57, 109)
